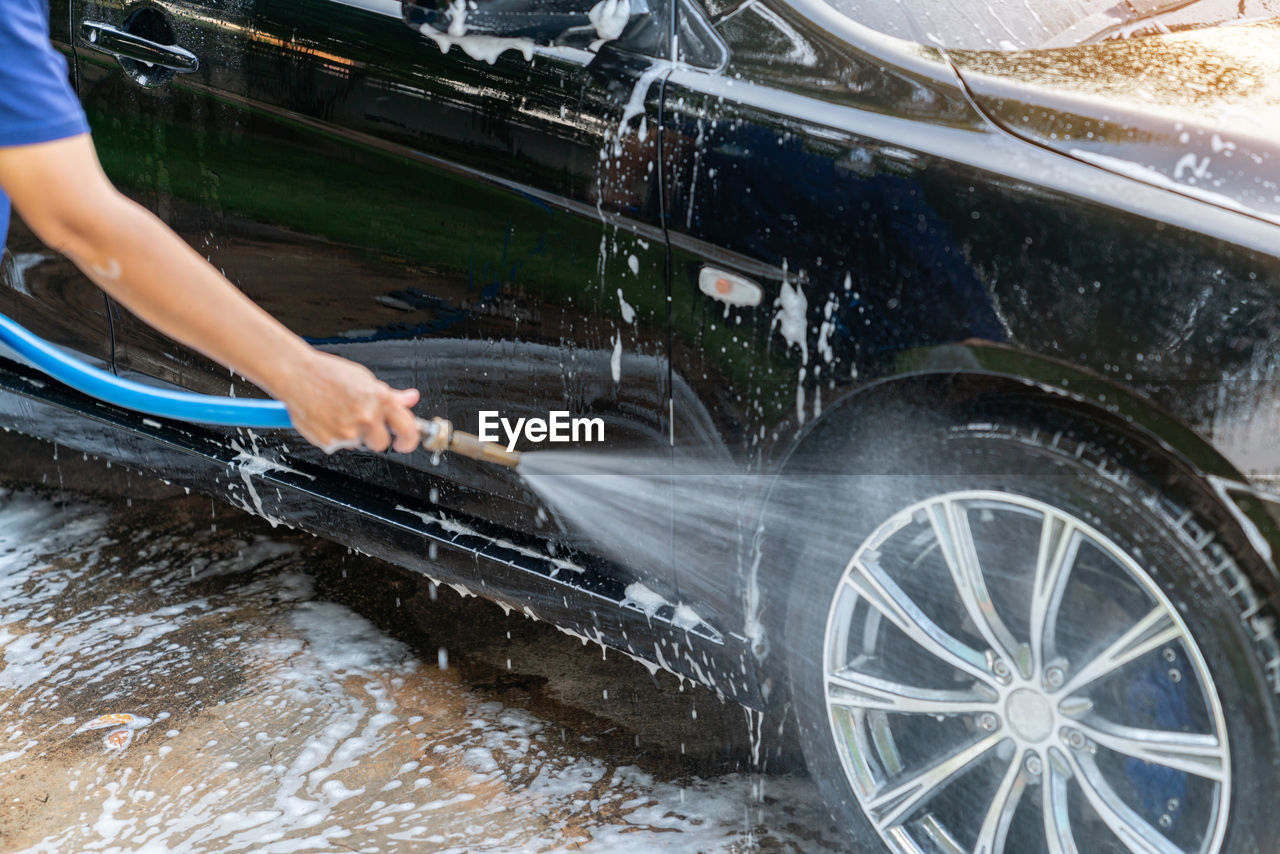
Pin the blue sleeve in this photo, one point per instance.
(37, 103)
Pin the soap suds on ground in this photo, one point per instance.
(173, 677)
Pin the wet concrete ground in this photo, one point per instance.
(178, 676)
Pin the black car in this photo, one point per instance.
(982, 304)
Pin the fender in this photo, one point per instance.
(973, 370)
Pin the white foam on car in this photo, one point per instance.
(609, 17)
(481, 48)
(454, 526)
(458, 18)
(250, 463)
(791, 321)
(628, 312)
(635, 103)
(790, 318)
(643, 598)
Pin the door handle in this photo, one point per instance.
(125, 45)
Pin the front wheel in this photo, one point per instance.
(1029, 653)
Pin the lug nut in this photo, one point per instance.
(1033, 765)
(1076, 739)
(1001, 668)
(988, 721)
(1054, 677)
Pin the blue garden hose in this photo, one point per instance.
(176, 405)
(438, 434)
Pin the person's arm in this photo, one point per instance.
(60, 190)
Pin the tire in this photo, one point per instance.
(941, 712)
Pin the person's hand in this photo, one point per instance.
(336, 403)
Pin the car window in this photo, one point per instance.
(1028, 24)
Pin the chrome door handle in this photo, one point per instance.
(125, 45)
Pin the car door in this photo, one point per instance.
(480, 224)
(41, 288)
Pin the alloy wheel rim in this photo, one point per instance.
(1035, 693)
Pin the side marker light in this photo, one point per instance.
(729, 287)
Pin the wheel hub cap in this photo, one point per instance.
(967, 719)
(1030, 715)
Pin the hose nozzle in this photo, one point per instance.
(439, 435)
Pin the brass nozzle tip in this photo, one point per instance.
(470, 445)
(438, 434)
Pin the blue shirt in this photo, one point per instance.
(37, 103)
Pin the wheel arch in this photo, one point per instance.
(974, 379)
(977, 373)
(971, 371)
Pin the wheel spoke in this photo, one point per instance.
(1054, 560)
(861, 691)
(1151, 632)
(1056, 814)
(880, 591)
(995, 827)
(950, 524)
(1127, 825)
(1202, 755)
(894, 806)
